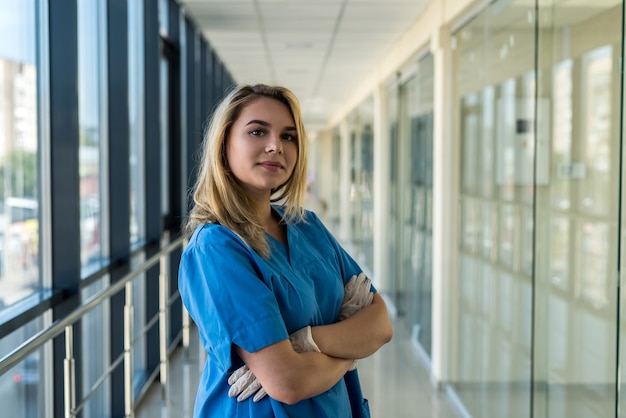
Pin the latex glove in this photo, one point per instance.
(302, 341)
(357, 296)
(244, 384)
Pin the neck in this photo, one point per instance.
(265, 215)
(263, 209)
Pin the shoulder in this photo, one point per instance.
(209, 237)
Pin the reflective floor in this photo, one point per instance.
(394, 380)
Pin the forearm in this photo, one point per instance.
(314, 374)
(290, 377)
(359, 336)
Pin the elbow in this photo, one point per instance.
(290, 399)
(387, 334)
(383, 335)
(379, 337)
(384, 330)
(289, 394)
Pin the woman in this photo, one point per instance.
(263, 281)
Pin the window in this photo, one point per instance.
(92, 128)
(19, 222)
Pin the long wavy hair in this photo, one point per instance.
(217, 194)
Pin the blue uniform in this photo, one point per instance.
(238, 298)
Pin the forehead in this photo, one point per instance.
(266, 109)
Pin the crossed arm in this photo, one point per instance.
(290, 377)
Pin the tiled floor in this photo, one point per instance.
(394, 380)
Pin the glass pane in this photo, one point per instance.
(96, 355)
(23, 388)
(361, 182)
(91, 68)
(494, 90)
(391, 102)
(164, 16)
(139, 321)
(577, 213)
(19, 195)
(164, 113)
(136, 120)
(414, 236)
(596, 85)
(333, 217)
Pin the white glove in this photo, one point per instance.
(302, 341)
(243, 384)
(357, 296)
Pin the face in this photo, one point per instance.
(262, 147)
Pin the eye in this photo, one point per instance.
(257, 132)
(288, 137)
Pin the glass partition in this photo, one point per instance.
(536, 332)
(577, 210)
(494, 100)
(414, 234)
(391, 102)
(332, 212)
(361, 181)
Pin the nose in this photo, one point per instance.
(274, 144)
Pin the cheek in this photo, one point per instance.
(232, 159)
(233, 152)
(292, 153)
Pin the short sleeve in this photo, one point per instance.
(228, 294)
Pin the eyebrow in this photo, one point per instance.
(263, 123)
(257, 121)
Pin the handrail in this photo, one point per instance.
(65, 324)
(37, 340)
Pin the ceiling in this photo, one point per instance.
(320, 49)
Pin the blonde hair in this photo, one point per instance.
(218, 197)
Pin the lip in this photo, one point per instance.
(271, 165)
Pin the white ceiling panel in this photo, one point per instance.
(322, 50)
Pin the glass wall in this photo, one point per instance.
(494, 100)
(95, 342)
(136, 120)
(414, 233)
(391, 125)
(61, 98)
(332, 211)
(92, 104)
(408, 99)
(23, 388)
(577, 247)
(137, 222)
(536, 300)
(361, 181)
(19, 118)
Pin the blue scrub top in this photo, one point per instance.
(237, 297)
